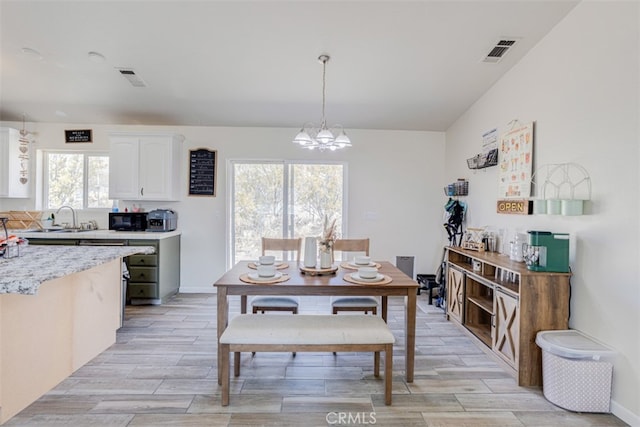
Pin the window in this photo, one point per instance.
(282, 199)
(76, 179)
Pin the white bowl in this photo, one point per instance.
(267, 260)
(368, 272)
(362, 260)
(266, 270)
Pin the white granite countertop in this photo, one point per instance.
(37, 264)
(97, 234)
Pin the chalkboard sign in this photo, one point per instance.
(80, 135)
(202, 172)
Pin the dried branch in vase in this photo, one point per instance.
(328, 235)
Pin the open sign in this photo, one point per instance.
(516, 207)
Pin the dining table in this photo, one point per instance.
(297, 280)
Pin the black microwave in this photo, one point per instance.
(128, 221)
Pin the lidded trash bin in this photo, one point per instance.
(576, 371)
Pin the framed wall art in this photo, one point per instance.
(515, 158)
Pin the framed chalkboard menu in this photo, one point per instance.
(202, 172)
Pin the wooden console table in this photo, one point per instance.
(504, 305)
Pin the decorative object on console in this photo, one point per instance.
(473, 239)
(322, 138)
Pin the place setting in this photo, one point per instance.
(359, 261)
(367, 275)
(266, 271)
(268, 260)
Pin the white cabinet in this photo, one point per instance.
(14, 164)
(145, 166)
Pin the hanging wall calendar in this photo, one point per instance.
(515, 152)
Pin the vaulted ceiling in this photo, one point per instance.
(394, 65)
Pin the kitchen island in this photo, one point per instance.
(153, 278)
(60, 307)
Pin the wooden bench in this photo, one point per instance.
(330, 333)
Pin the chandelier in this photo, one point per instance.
(322, 138)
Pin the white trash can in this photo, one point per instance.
(576, 371)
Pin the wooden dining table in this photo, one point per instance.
(301, 283)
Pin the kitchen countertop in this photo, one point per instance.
(37, 264)
(97, 234)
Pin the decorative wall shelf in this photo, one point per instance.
(483, 160)
(458, 188)
(561, 189)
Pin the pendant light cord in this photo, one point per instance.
(324, 60)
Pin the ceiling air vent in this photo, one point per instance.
(499, 50)
(133, 78)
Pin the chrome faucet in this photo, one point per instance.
(73, 215)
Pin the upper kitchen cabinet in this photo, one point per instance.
(145, 166)
(14, 164)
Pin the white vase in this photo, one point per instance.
(310, 252)
(325, 259)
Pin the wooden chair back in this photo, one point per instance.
(283, 245)
(351, 245)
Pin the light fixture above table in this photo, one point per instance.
(322, 138)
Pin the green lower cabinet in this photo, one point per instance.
(154, 277)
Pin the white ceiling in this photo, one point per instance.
(394, 65)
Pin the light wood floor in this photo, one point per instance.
(162, 371)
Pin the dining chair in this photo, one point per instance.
(285, 246)
(366, 304)
(262, 304)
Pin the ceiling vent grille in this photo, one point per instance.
(499, 50)
(132, 77)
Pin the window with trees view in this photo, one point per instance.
(283, 200)
(79, 180)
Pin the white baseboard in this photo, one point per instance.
(197, 290)
(625, 415)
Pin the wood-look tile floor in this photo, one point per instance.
(162, 371)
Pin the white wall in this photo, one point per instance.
(580, 87)
(394, 195)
